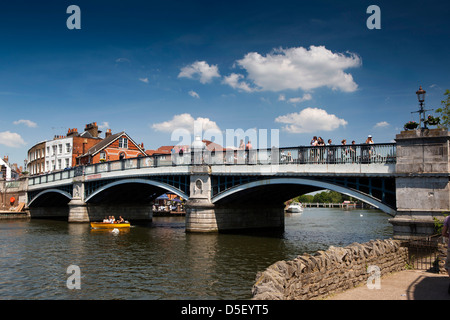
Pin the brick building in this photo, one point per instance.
(114, 147)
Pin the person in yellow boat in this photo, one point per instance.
(120, 220)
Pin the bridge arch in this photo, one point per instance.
(317, 184)
(48, 192)
(156, 184)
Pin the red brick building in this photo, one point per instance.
(114, 147)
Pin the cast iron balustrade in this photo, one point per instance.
(380, 153)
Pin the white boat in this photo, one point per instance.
(295, 207)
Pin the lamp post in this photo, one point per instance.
(421, 97)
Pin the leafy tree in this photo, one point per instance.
(445, 111)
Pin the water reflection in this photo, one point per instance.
(159, 260)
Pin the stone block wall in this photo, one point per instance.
(328, 272)
(442, 256)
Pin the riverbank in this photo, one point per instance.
(4, 214)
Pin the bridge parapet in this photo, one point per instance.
(349, 158)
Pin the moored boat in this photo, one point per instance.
(295, 207)
(104, 225)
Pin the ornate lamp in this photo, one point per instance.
(421, 97)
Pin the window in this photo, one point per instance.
(102, 155)
(54, 150)
(59, 164)
(67, 147)
(123, 143)
(59, 148)
(48, 151)
(67, 163)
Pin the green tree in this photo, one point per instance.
(444, 112)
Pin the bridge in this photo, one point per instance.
(237, 189)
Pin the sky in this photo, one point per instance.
(297, 68)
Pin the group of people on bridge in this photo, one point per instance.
(347, 154)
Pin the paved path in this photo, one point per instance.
(403, 285)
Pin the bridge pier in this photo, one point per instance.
(204, 216)
(77, 206)
(422, 181)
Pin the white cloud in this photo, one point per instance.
(145, 80)
(200, 69)
(11, 139)
(193, 94)
(296, 100)
(381, 124)
(185, 121)
(234, 81)
(28, 123)
(281, 97)
(310, 120)
(104, 125)
(300, 68)
(118, 60)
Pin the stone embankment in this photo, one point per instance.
(327, 272)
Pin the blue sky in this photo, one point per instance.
(303, 67)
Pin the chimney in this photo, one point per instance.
(6, 158)
(92, 128)
(72, 132)
(107, 133)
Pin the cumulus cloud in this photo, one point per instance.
(300, 68)
(234, 81)
(201, 70)
(11, 139)
(185, 121)
(145, 80)
(310, 120)
(193, 94)
(306, 97)
(104, 125)
(28, 123)
(381, 124)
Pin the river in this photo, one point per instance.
(159, 261)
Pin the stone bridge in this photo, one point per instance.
(237, 190)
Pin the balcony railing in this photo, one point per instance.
(349, 154)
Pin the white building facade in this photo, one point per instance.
(58, 154)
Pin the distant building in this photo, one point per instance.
(9, 171)
(36, 159)
(114, 147)
(62, 151)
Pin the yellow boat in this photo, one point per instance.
(103, 225)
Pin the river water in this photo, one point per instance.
(159, 260)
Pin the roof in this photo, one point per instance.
(160, 150)
(107, 141)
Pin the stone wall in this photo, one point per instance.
(328, 272)
(442, 256)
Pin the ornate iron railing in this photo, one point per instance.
(343, 154)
